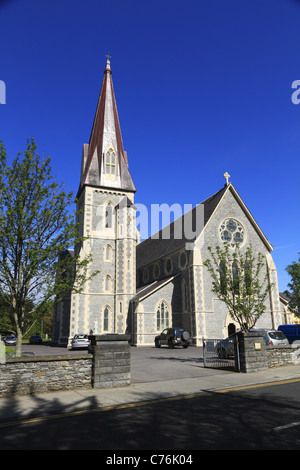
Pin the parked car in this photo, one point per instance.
(225, 348)
(10, 340)
(172, 337)
(80, 341)
(274, 337)
(35, 339)
(292, 332)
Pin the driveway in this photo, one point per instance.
(46, 349)
(148, 364)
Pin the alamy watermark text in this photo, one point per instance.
(2, 92)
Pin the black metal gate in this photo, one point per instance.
(221, 353)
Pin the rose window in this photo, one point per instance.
(232, 232)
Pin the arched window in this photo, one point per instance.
(248, 278)
(107, 283)
(108, 253)
(162, 316)
(110, 163)
(235, 277)
(106, 319)
(222, 271)
(108, 216)
(235, 270)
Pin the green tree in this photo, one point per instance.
(294, 286)
(7, 324)
(37, 229)
(238, 280)
(6, 317)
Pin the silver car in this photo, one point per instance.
(274, 337)
(10, 340)
(226, 347)
(80, 341)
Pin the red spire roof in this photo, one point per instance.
(106, 145)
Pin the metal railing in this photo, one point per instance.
(221, 353)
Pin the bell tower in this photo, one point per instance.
(107, 214)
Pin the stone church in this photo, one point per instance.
(144, 287)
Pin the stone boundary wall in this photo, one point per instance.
(255, 355)
(29, 375)
(107, 364)
(279, 356)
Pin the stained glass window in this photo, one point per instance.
(162, 316)
(232, 232)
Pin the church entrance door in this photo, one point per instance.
(231, 329)
(230, 326)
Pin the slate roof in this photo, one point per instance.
(285, 297)
(147, 290)
(160, 244)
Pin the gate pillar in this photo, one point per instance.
(111, 360)
(252, 351)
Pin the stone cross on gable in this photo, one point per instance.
(226, 176)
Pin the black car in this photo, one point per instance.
(172, 337)
(35, 339)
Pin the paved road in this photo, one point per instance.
(262, 418)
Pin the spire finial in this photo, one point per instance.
(226, 176)
(107, 68)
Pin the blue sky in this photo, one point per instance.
(202, 87)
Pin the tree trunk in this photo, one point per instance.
(19, 336)
(19, 344)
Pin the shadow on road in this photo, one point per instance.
(211, 421)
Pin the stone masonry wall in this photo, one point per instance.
(29, 375)
(252, 352)
(279, 356)
(107, 364)
(111, 360)
(254, 355)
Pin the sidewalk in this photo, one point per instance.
(45, 404)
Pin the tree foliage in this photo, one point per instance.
(238, 280)
(37, 233)
(7, 323)
(294, 286)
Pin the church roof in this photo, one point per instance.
(163, 243)
(149, 289)
(105, 134)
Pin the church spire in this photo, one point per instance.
(104, 161)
